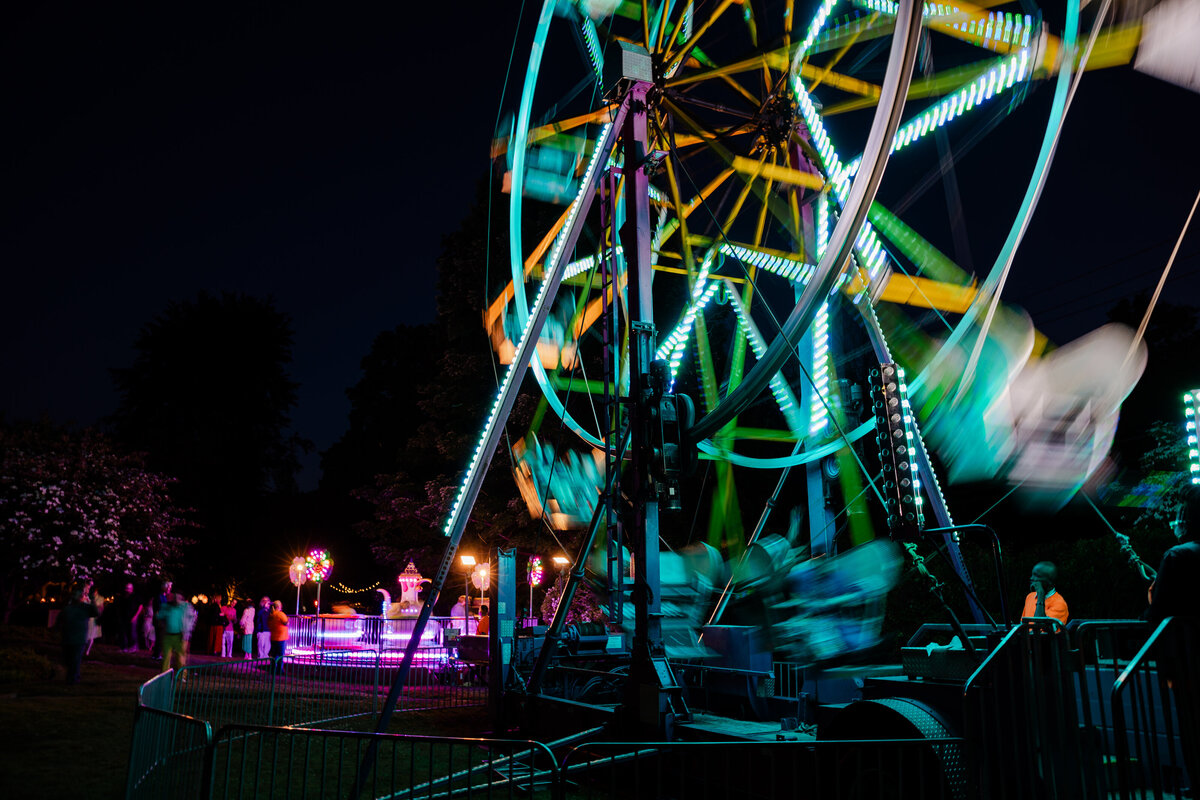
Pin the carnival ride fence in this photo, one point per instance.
(1046, 714)
(251, 760)
(1082, 712)
(1156, 711)
(179, 709)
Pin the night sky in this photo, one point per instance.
(318, 155)
(311, 154)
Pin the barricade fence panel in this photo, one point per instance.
(336, 688)
(348, 688)
(297, 763)
(1023, 720)
(226, 693)
(157, 692)
(168, 756)
(792, 770)
(1156, 711)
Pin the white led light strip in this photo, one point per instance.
(910, 425)
(675, 343)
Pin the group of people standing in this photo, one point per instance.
(261, 630)
(166, 625)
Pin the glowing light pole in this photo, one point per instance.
(298, 574)
(468, 562)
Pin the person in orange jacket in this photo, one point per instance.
(278, 624)
(1043, 599)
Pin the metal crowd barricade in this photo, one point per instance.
(258, 761)
(168, 756)
(1156, 713)
(1023, 722)
(318, 689)
(395, 633)
(335, 687)
(1102, 649)
(309, 634)
(226, 692)
(791, 770)
(158, 692)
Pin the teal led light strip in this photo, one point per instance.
(993, 81)
(867, 246)
(814, 29)
(792, 269)
(1000, 77)
(582, 265)
(999, 27)
(819, 416)
(674, 344)
(1191, 410)
(591, 43)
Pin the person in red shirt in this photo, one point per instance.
(1043, 599)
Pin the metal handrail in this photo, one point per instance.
(1179, 714)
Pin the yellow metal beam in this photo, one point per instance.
(925, 293)
(777, 172)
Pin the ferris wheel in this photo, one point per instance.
(759, 126)
(776, 263)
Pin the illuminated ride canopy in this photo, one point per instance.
(757, 125)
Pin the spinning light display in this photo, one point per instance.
(319, 564)
(536, 571)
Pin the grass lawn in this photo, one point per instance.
(58, 740)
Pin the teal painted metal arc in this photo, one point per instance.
(1032, 193)
(783, 462)
(841, 242)
(517, 147)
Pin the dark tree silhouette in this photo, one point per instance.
(452, 385)
(209, 398)
(384, 407)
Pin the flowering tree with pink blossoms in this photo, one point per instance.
(73, 507)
